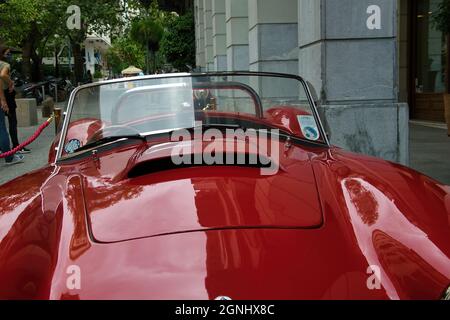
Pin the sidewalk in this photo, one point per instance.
(429, 152)
(39, 150)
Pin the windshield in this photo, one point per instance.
(149, 106)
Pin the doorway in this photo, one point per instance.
(429, 56)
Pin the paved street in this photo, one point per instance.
(429, 152)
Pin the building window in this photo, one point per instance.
(431, 51)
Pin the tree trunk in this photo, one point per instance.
(37, 67)
(31, 72)
(152, 62)
(147, 61)
(79, 63)
(56, 63)
(27, 50)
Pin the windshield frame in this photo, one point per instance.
(68, 112)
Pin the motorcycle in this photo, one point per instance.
(51, 86)
(24, 89)
(60, 87)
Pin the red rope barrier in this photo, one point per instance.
(28, 141)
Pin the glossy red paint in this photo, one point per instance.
(137, 227)
(202, 198)
(81, 130)
(286, 117)
(309, 232)
(281, 117)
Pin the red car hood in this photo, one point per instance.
(201, 198)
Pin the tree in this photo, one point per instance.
(28, 24)
(147, 29)
(148, 32)
(441, 18)
(178, 43)
(125, 52)
(101, 17)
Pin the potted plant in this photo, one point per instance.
(441, 20)
(98, 75)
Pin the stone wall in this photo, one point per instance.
(348, 50)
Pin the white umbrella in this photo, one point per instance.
(131, 70)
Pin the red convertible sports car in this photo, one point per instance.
(217, 186)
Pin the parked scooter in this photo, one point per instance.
(60, 87)
(24, 89)
(53, 88)
(69, 87)
(51, 85)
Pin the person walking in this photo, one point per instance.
(4, 139)
(10, 96)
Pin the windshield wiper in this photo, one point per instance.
(245, 128)
(106, 140)
(205, 126)
(221, 125)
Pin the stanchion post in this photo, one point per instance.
(56, 93)
(57, 112)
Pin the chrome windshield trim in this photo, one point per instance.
(316, 113)
(63, 132)
(152, 133)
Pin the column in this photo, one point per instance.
(273, 35)
(200, 35)
(219, 35)
(237, 34)
(209, 47)
(273, 38)
(348, 51)
(403, 50)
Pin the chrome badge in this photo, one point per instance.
(223, 298)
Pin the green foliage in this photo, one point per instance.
(98, 74)
(124, 53)
(33, 24)
(441, 18)
(39, 28)
(49, 70)
(178, 43)
(48, 17)
(147, 3)
(147, 31)
(21, 17)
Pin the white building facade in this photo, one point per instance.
(96, 46)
